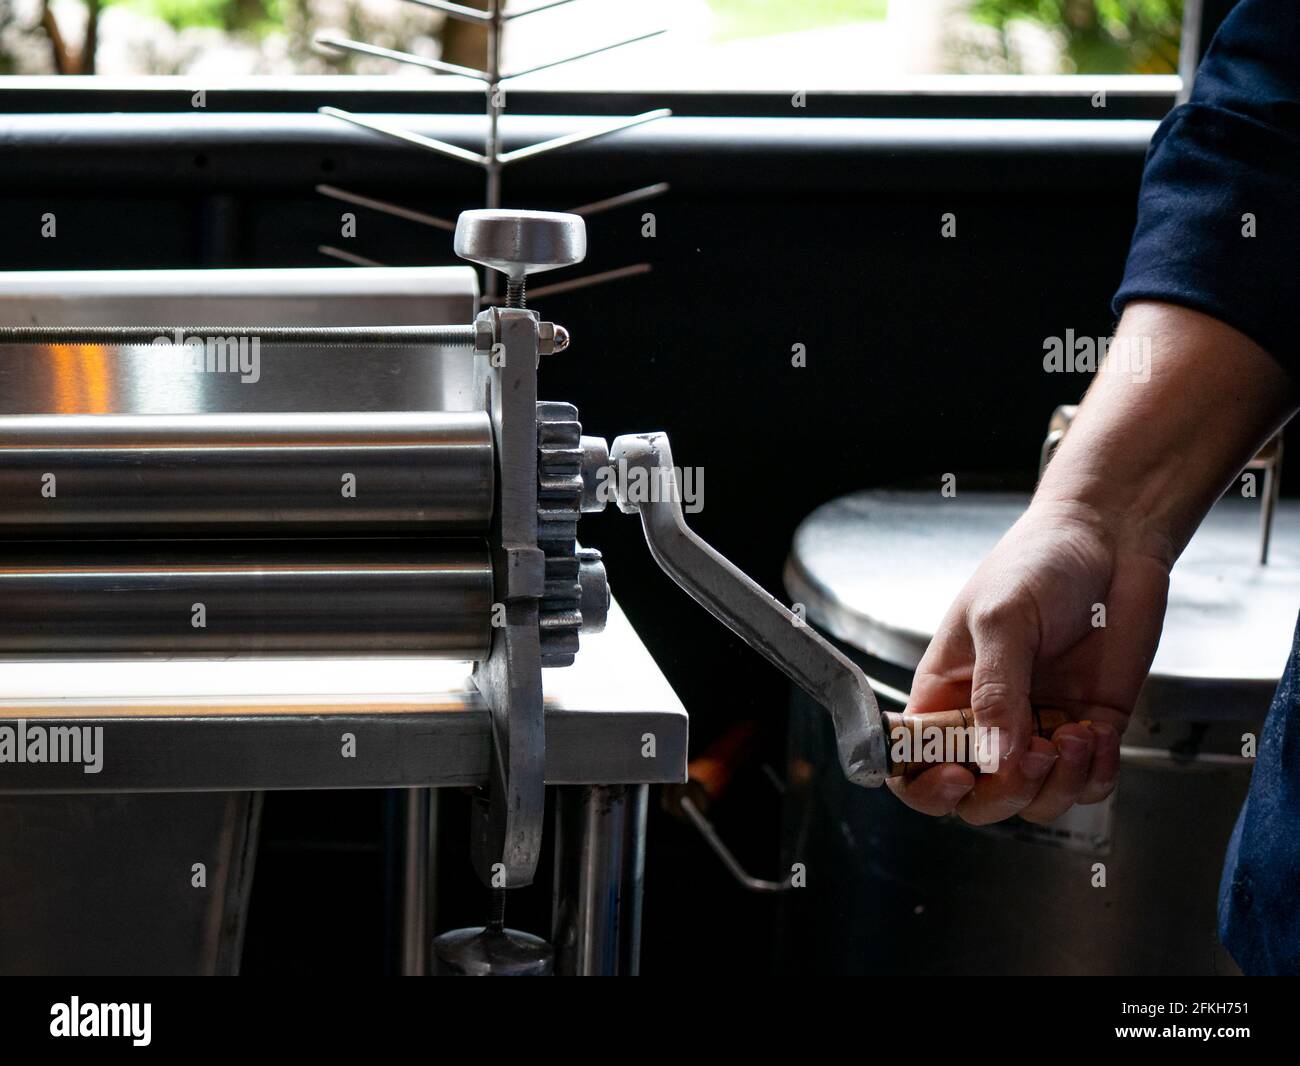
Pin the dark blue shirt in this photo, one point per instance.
(1222, 165)
(1219, 231)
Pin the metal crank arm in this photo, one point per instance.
(645, 482)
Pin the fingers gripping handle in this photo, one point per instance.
(909, 736)
(645, 483)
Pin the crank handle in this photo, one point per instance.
(645, 483)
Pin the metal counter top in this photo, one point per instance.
(280, 724)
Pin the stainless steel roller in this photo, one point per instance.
(398, 597)
(340, 474)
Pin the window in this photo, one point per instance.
(771, 45)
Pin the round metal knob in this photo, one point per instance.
(519, 243)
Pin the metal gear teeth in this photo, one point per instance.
(559, 506)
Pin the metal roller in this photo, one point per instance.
(400, 597)
(340, 474)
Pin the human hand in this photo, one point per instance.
(1024, 633)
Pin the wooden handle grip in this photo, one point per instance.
(908, 733)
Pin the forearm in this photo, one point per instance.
(1148, 458)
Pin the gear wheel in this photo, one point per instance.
(576, 594)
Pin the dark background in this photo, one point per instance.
(818, 226)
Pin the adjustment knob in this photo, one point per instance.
(519, 243)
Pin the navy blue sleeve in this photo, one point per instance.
(1221, 167)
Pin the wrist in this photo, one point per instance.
(1119, 520)
(1145, 458)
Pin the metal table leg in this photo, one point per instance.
(417, 873)
(599, 874)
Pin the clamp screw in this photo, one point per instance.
(519, 243)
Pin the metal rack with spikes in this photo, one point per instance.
(492, 160)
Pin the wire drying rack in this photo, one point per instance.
(492, 160)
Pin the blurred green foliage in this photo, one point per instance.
(249, 16)
(760, 18)
(1100, 36)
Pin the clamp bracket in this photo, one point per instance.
(506, 826)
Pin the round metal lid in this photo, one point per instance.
(878, 570)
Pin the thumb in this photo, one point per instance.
(1005, 649)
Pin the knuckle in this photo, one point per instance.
(991, 695)
(1000, 807)
(992, 615)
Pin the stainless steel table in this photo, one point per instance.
(177, 727)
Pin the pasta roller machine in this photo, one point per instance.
(433, 534)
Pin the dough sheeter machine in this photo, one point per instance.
(175, 540)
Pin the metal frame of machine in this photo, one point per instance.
(545, 591)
